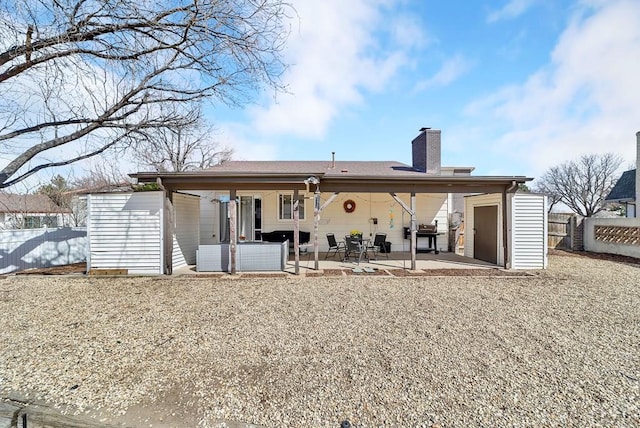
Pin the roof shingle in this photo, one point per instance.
(38, 203)
(325, 168)
(625, 188)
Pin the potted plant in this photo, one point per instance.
(356, 233)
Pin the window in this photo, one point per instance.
(285, 207)
(36, 222)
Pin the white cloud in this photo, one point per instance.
(512, 9)
(585, 100)
(337, 54)
(451, 70)
(235, 135)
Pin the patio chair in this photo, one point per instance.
(336, 247)
(378, 245)
(355, 249)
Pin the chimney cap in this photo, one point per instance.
(424, 129)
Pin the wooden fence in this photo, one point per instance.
(560, 230)
(22, 249)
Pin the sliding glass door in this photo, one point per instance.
(250, 218)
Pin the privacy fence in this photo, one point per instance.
(38, 248)
(565, 231)
(613, 236)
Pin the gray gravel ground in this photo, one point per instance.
(559, 348)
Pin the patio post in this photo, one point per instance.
(317, 210)
(413, 229)
(296, 230)
(232, 231)
(316, 220)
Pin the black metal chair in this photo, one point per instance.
(378, 245)
(335, 246)
(355, 249)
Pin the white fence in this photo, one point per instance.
(38, 248)
(613, 236)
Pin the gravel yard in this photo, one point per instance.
(558, 348)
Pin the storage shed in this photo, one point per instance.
(526, 229)
(125, 231)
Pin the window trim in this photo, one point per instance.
(302, 211)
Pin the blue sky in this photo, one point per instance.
(516, 86)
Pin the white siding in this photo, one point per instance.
(124, 232)
(334, 219)
(528, 231)
(186, 232)
(208, 216)
(390, 216)
(471, 202)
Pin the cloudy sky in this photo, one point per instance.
(516, 86)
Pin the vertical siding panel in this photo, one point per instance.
(208, 216)
(186, 235)
(125, 231)
(528, 231)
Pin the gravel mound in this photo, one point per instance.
(559, 347)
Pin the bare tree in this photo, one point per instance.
(102, 177)
(582, 184)
(542, 186)
(79, 77)
(186, 147)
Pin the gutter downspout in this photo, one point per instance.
(166, 258)
(505, 223)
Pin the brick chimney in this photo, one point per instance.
(638, 174)
(425, 150)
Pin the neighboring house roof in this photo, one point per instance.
(13, 203)
(625, 188)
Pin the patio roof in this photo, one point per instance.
(352, 176)
(335, 177)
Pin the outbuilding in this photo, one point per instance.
(525, 228)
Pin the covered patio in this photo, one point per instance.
(398, 261)
(325, 187)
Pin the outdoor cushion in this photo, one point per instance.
(283, 235)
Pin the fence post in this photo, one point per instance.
(572, 229)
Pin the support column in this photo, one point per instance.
(413, 228)
(168, 227)
(317, 210)
(296, 230)
(316, 221)
(232, 231)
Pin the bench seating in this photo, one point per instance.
(283, 235)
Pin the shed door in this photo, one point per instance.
(485, 240)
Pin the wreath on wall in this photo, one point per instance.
(349, 206)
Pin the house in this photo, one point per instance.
(215, 214)
(627, 189)
(624, 192)
(31, 212)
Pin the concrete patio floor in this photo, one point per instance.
(396, 260)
